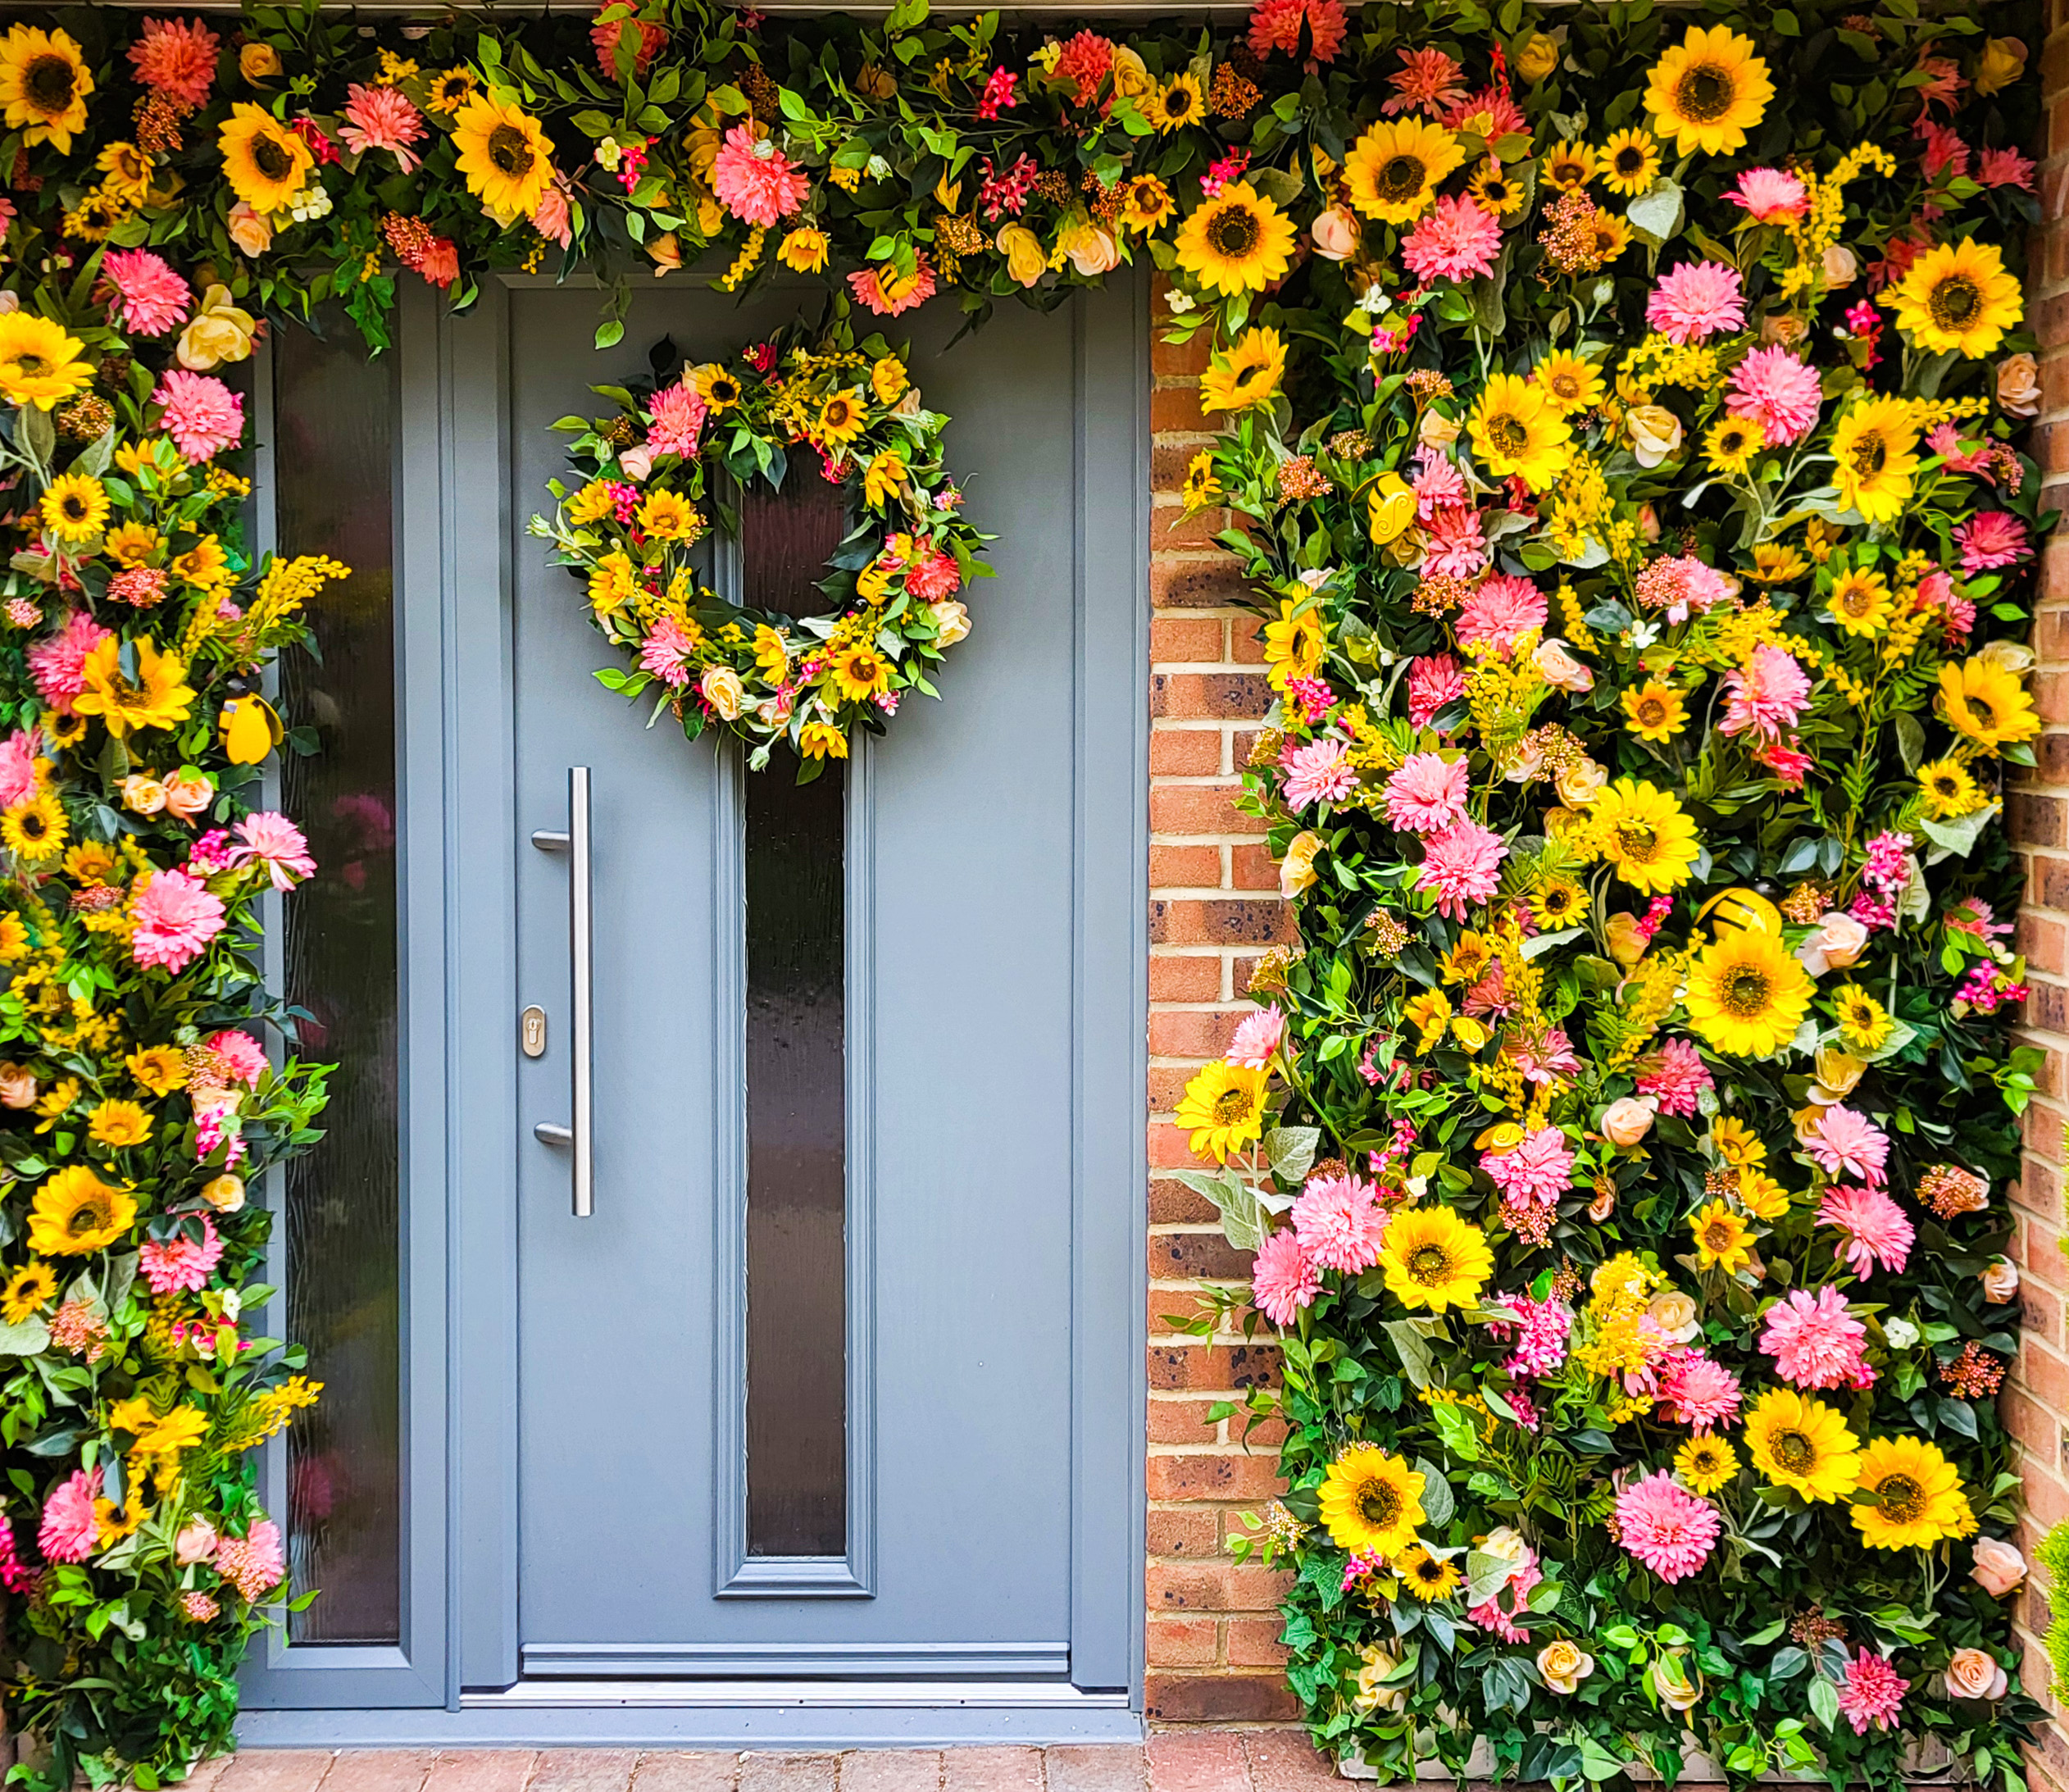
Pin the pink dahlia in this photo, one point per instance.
(1815, 1341)
(1258, 1038)
(935, 577)
(1275, 25)
(676, 419)
(1537, 1171)
(553, 217)
(1846, 1143)
(1341, 1223)
(1462, 865)
(1438, 484)
(1696, 301)
(1991, 538)
(175, 58)
(1426, 81)
(1871, 1692)
(1454, 546)
(242, 1058)
(1768, 195)
(2005, 168)
(153, 299)
(1877, 1230)
(1434, 680)
(202, 416)
(754, 181)
(182, 1263)
(1456, 240)
(1778, 391)
(1503, 608)
(886, 294)
(1703, 1392)
(382, 118)
(1320, 772)
(69, 1531)
(1766, 695)
(666, 653)
(1282, 1280)
(18, 755)
(253, 1563)
(176, 915)
(1428, 793)
(57, 662)
(1676, 1076)
(271, 839)
(1665, 1527)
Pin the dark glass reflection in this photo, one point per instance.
(786, 536)
(334, 458)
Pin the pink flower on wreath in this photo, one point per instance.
(1542, 1329)
(899, 297)
(69, 1530)
(1848, 1143)
(1503, 608)
(1434, 680)
(176, 915)
(1490, 1616)
(1456, 240)
(1944, 151)
(1991, 538)
(176, 57)
(1665, 1527)
(1875, 1228)
(1768, 195)
(1538, 1170)
(1282, 1279)
(1428, 792)
(57, 662)
(997, 96)
(935, 577)
(1463, 866)
(1871, 1692)
(1695, 301)
(676, 419)
(1815, 1342)
(1766, 695)
(1886, 865)
(755, 181)
(1341, 1223)
(382, 118)
(1320, 772)
(1676, 1076)
(1426, 81)
(18, 755)
(1454, 546)
(202, 416)
(16, 1575)
(152, 298)
(253, 1563)
(666, 653)
(182, 1263)
(1700, 1390)
(1258, 1036)
(553, 217)
(1275, 25)
(1438, 484)
(1778, 391)
(243, 1058)
(2005, 168)
(270, 840)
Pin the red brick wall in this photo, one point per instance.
(1214, 906)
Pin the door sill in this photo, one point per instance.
(532, 1694)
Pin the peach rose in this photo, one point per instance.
(1092, 250)
(636, 463)
(1839, 941)
(2018, 386)
(1999, 1568)
(226, 1194)
(1335, 234)
(1626, 1122)
(17, 1086)
(186, 797)
(1560, 669)
(1564, 1665)
(1626, 942)
(258, 62)
(1673, 1315)
(1842, 267)
(250, 230)
(1837, 1073)
(196, 1543)
(1975, 1673)
(1655, 432)
(1436, 430)
(1297, 870)
(665, 252)
(2000, 1281)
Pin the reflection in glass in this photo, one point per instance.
(333, 459)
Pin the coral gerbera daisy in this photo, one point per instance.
(1371, 1501)
(176, 57)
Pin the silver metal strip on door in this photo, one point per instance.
(579, 1135)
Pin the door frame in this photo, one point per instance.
(458, 832)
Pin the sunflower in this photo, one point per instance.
(1918, 1497)
(132, 545)
(1801, 1444)
(1630, 163)
(1646, 836)
(1949, 792)
(841, 418)
(1223, 1107)
(1609, 236)
(1237, 241)
(1774, 564)
(1736, 1142)
(804, 250)
(1428, 1577)
(669, 516)
(1371, 1502)
(266, 163)
(1178, 104)
(1248, 375)
(35, 829)
(1709, 92)
(117, 1522)
(859, 672)
(1731, 443)
(1859, 601)
(1873, 452)
(717, 388)
(1746, 994)
(1574, 382)
(31, 1287)
(74, 506)
(161, 1069)
(1394, 170)
(157, 697)
(1146, 203)
(92, 861)
(1569, 166)
(1430, 1014)
(1497, 189)
(39, 363)
(117, 1124)
(1434, 1259)
(94, 218)
(1722, 1240)
(76, 1212)
(1560, 902)
(1202, 487)
(1983, 700)
(1956, 295)
(1762, 1196)
(1706, 1463)
(1516, 428)
(1293, 645)
(504, 155)
(126, 172)
(43, 84)
(1863, 1022)
(1655, 711)
(447, 90)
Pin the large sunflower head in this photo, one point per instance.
(1801, 1444)
(1394, 170)
(1873, 458)
(76, 1212)
(1237, 241)
(1983, 698)
(35, 829)
(1918, 1497)
(39, 363)
(266, 163)
(1708, 91)
(1958, 296)
(1433, 1258)
(1950, 793)
(1747, 994)
(155, 694)
(1516, 428)
(1247, 375)
(1223, 1109)
(504, 155)
(1371, 1502)
(1645, 834)
(43, 85)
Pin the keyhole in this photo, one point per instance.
(531, 1032)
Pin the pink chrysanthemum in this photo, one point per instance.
(1258, 1038)
(1676, 1076)
(18, 755)
(1991, 538)
(1454, 546)
(1426, 81)
(1848, 1143)
(198, 1607)
(1456, 240)
(1871, 1692)
(1434, 680)
(1778, 391)
(606, 35)
(1275, 25)
(1665, 1527)
(1428, 793)
(935, 577)
(1695, 301)
(57, 663)
(253, 1563)
(1537, 1171)
(1877, 1230)
(271, 840)
(382, 118)
(675, 420)
(69, 1531)
(2005, 168)
(153, 299)
(1319, 773)
(243, 1059)
(1815, 1341)
(666, 653)
(176, 915)
(1764, 696)
(1341, 1223)
(1282, 1280)
(176, 57)
(897, 299)
(202, 416)
(1461, 865)
(1769, 195)
(1502, 609)
(184, 1263)
(755, 181)
(1700, 1390)
(1438, 484)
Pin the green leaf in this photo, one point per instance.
(1290, 1150)
(1417, 1362)
(1656, 215)
(1438, 1504)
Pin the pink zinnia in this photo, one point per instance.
(1695, 301)
(868, 285)
(202, 416)
(242, 1057)
(253, 1563)
(2005, 168)
(666, 653)
(1877, 1230)
(1428, 793)
(754, 181)
(1766, 695)
(1320, 772)
(1872, 1693)
(1846, 1143)
(18, 756)
(69, 1531)
(1257, 1037)
(1676, 1076)
(1537, 1171)
(1665, 1527)
(381, 118)
(176, 915)
(1991, 538)
(1771, 194)
(1462, 865)
(1341, 1223)
(153, 298)
(1426, 81)
(57, 662)
(175, 58)
(1434, 680)
(182, 1264)
(1456, 240)
(1778, 391)
(1503, 608)
(1815, 1341)
(676, 419)
(271, 839)
(1282, 1280)
(1703, 1392)
(1454, 546)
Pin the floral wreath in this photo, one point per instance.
(653, 474)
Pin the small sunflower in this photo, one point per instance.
(504, 155)
(1736, 1142)
(1201, 488)
(1574, 382)
(1178, 105)
(1560, 902)
(1723, 1240)
(160, 1069)
(125, 172)
(1428, 1577)
(1731, 443)
(1646, 836)
(1516, 428)
(1630, 163)
(94, 218)
(1802, 1444)
(29, 1291)
(1247, 375)
(859, 672)
(132, 545)
(1294, 643)
(117, 1124)
(1146, 204)
(35, 829)
(1984, 699)
(1708, 91)
(1706, 1463)
(1570, 166)
(1774, 564)
(1957, 296)
(1223, 1109)
(1394, 170)
(1917, 1500)
(1655, 711)
(266, 163)
(92, 861)
(1434, 1259)
(1608, 236)
(842, 416)
(1863, 1022)
(74, 506)
(717, 388)
(158, 697)
(1859, 602)
(74, 1213)
(1747, 994)
(1237, 241)
(1371, 1501)
(1874, 458)
(1762, 1196)
(67, 730)
(43, 84)
(39, 363)
(1497, 189)
(1950, 793)
(447, 90)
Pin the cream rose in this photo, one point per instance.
(1837, 1073)
(636, 463)
(1842, 267)
(226, 1194)
(219, 331)
(1998, 1568)
(1655, 432)
(1559, 669)
(951, 621)
(722, 689)
(1296, 869)
(1626, 1122)
(1025, 258)
(2000, 1281)
(195, 1543)
(1092, 250)
(1436, 430)
(1581, 782)
(2018, 386)
(1564, 1665)
(17, 1087)
(1335, 234)
(142, 793)
(1679, 1686)
(1673, 1315)
(1379, 1660)
(1839, 941)
(1975, 1673)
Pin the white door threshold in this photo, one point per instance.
(993, 1695)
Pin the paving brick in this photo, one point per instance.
(775, 1772)
(1284, 1760)
(380, 1770)
(891, 1770)
(203, 1779)
(482, 1770)
(1094, 1768)
(991, 1770)
(276, 1770)
(1198, 1763)
(688, 1769)
(584, 1769)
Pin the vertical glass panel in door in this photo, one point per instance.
(334, 458)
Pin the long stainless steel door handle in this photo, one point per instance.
(579, 1135)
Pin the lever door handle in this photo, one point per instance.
(577, 1136)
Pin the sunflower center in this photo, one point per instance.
(1705, 92)
(1903, 1500)
(1401, 177)
(1507, 434)
(1565, 386)
(1857, 600)
(1379, 1504)
(1233, 232)
(33, 825)
(51, 83)
(1429, 1264)
(1629, 160)
(30, 365)
(1793, 1451)
(1871, 454)
(1943, 784)
(1955, 302)
(1985, 714)
(1637, 842)
(1652, 711)
(90, 1216)
(837, 414)
(271, 157)
(1745, 990)
(1230, 1107)
(510, 151)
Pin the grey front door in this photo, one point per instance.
(834, 1381)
